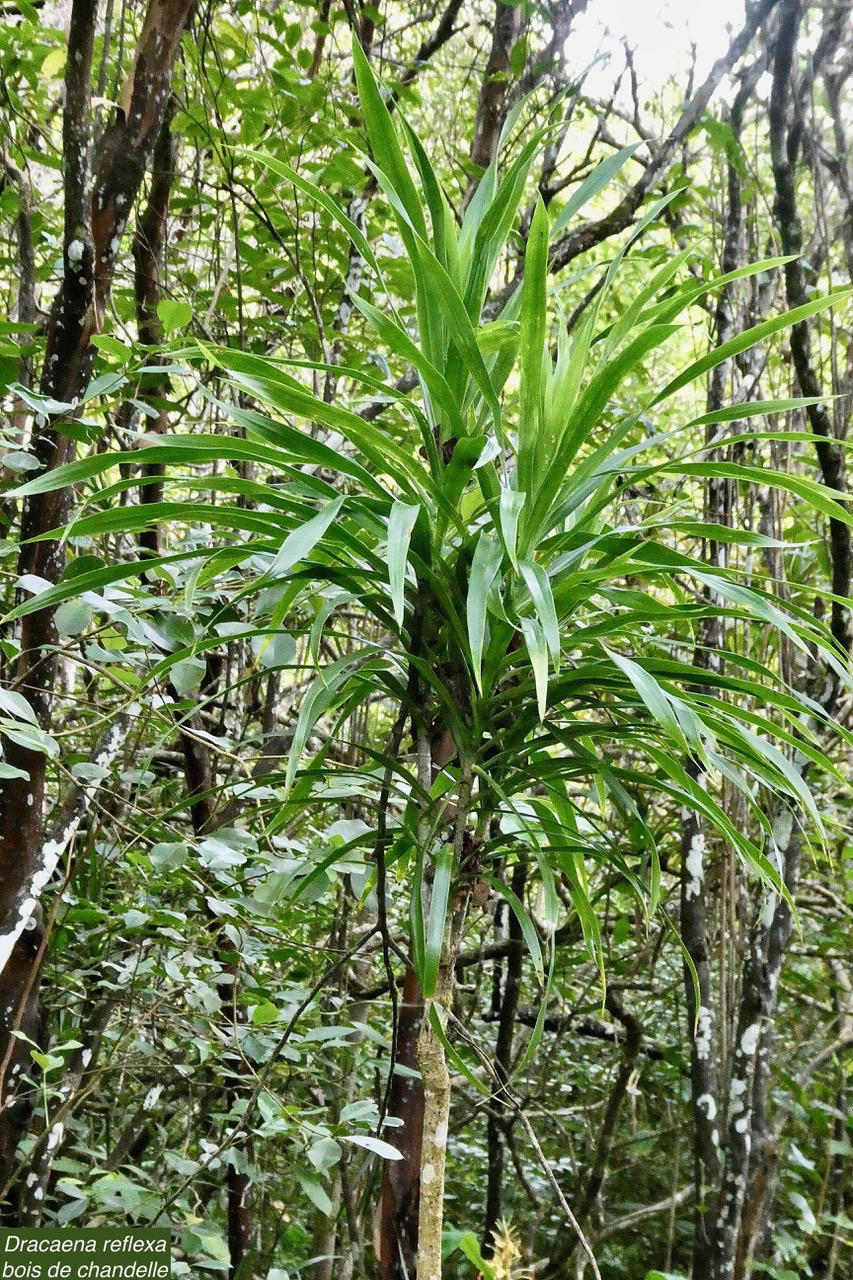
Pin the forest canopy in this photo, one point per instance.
(426, 558)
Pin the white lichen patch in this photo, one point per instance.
(75, 252)
(152, 1097)
(52, 850)
(427, 1174)
(783, 827)
(708, 1105)
(749, 1039)
(695, 866)
(736, 1092)
(703, 1033)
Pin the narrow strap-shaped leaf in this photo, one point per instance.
(443, 229)
(401, 522)
(657, 702)
(539, 1025)
(687, 791)
(538, 653)
(481, 242)
(302, 540)
(749, 338)
(417, 917)
(532, 348)
(453, 1055)
(603, 173)
(400, 342)
(439, 900)
(385, 454)
(511, 502)
(522, 915)
(455, 316)
(334, 598)
(542, 596)
(322, 198)
(820, 496)
(633, 313)
(589, 922)
(485, 567)
(760, 408)
(318, 699)
(383, 138)
(97, 579)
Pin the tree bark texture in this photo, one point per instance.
(397, 1244)
(149, 259)
(507, 28)
(785, 147)
(436, 1087)
(732, 1107)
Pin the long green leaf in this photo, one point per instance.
(383, 139)
(320, 696)
(542, 596)
(528, 929)
(322, 198)
(439, 900)
(532, 350)
(601, 175)
(485, 567)
(749, 338)
(297, 544)
(537, 652)
(401, 522)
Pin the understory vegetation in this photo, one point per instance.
(425, 718)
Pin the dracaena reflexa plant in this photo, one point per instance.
(533, 649)
(476, 523)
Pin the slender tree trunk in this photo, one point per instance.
(732, 1221)
(785, 145)
(499, 1111)
(431, 1054)
(149, 258)
(398, 1212)
(696, 898)
(436, 1085)
(507, 26)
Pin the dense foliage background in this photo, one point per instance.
(433, 654)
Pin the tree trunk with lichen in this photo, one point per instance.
(432, 1060)
(435, 1077)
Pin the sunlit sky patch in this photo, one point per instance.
(659, 32)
